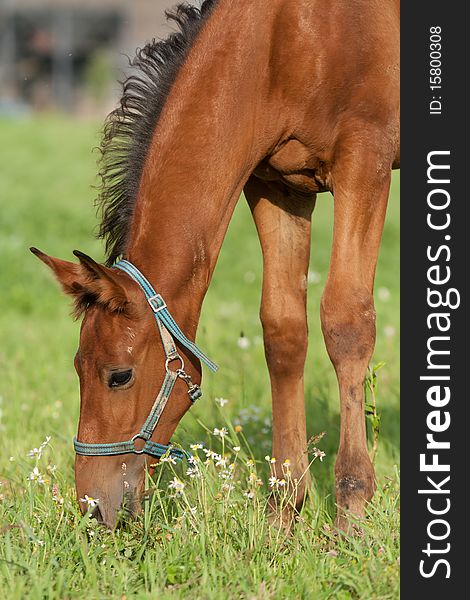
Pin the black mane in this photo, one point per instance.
(129, 128)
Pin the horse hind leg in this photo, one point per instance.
(361, 184)
(283, 224)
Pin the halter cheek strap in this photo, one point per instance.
(168, 330)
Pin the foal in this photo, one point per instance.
(282, 99)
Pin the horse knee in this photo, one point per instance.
(285, 340)
(348, 324)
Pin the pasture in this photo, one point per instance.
(208, 539)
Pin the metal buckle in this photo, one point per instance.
(171, 359)
(194, 391)
(136, 437)
(153, 301)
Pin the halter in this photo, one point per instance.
(168, 330)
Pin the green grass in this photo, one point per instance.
(227, 550)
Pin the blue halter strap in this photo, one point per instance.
(168, 330)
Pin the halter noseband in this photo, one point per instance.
(169, 330)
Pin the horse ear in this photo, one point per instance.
(68, 274)
(88, 282)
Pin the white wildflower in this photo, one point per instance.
(193, 472)
(192, 510)
(221, 401)
(35, 475)
(90, 501)
(249, 495)
(243, 342)
(220, 432)
(383, 294)
(210, 454)
(275, 482)
(195, 447)
(221, 462)
(37, 452)
(176, 485)
(168, 459)
(236, 448)
(319, 454)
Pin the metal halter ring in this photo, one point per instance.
(171, 359)
(138, 436)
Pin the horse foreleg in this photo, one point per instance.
(283, 224)
(361, 185)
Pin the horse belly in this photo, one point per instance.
(297, 166)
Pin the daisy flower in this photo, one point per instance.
(35, 475)
(220, 432)
(221, 462)
(243, 342)
(37, 452)
(210, 454)
(177, 485)
(195, 447)
(90, 501)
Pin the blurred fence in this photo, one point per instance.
(68, 54)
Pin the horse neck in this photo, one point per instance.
(213, 131)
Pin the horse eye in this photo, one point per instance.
(118, 378)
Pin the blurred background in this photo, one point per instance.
(68, 54)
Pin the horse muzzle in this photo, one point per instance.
(110, 487)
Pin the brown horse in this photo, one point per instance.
(282, 99)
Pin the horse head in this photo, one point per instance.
(120, 363)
